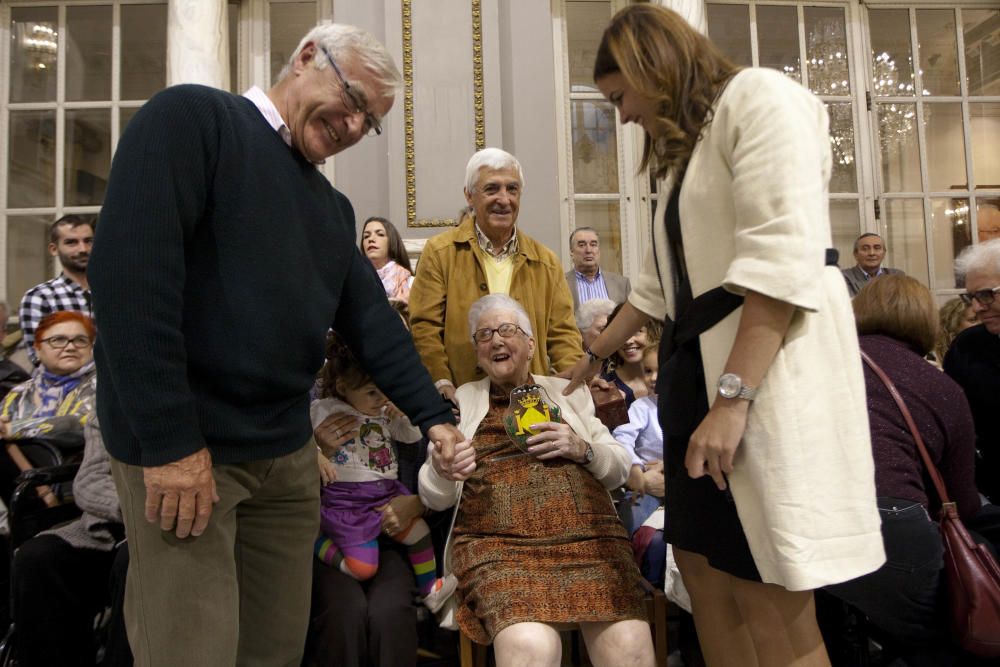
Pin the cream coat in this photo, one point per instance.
(804, 480)
(611, 462)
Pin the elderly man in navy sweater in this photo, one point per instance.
(222, 258)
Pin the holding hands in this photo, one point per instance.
(452, 456)
(554, 440)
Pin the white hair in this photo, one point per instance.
(491, 158)
(348, 41)
(491, 302)
(591, 310)
(983, 256)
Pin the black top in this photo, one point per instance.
(221, 259)
(942, 416)
(974, 362)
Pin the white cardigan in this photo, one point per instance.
(753, 210)
(611, 462)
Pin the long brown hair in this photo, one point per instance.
(663, 58)
(396, 249)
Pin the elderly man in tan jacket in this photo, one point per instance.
(487, 254)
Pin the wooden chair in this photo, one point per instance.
(475, 655)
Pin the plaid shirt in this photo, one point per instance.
(509, 248)
(60, 293)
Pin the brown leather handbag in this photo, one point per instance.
(971, 574)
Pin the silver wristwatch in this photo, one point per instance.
(731, 386)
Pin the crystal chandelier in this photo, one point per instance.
(39, 43)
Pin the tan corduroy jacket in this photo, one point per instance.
(450, 278)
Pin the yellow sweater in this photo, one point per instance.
(450, 278)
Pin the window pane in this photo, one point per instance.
(982, 50)
(144, 50)
(906, 245)
(846, 227)
(290, 21)
(985, 120)
(595, 150)
(951, 230)
(603, 216)
(34, 43)
(945, 146)
(28, 260)
(844, 176)
(938, 51)
(988, 218)
(778, 39)
(88, 53)
(585, 23)
(826, 51)
(88, 156)
(892, 62)
(32, 169)
(729, 28)
(897, 130)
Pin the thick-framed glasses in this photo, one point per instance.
(59, 342)
(506, 330)
(983, 296)
(354, 99)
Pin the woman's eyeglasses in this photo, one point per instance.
(506, 330)
(60, 342)
(983, 296)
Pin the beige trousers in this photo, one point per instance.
(239, 593)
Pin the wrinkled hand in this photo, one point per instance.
(713, 444)
(554, 440)
(399, 512)
(335, 431)
(581, 373)
(461, 465)
(181, 494)
(635, 483)
(445, 437)
(653, 480)
(327, 471)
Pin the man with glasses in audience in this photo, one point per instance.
(71, 239)
(974, 358)
(224, 256)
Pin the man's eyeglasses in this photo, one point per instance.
(354, 99)
(983, 296)
(59, 342)
(506, 330)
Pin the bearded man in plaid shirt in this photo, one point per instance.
(71, 238)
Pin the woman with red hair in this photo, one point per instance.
(55, 402)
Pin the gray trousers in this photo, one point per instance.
(239, 593)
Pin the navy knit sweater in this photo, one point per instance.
(221, 258)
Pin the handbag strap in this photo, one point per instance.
(908, 418)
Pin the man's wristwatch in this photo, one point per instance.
(731, 386)
(593, 357)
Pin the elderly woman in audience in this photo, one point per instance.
(56, 402)
(898, 322)
(536, 542)
(973, 360)
(383, 246)
(63, 578)
(592, 317)
(955, 317)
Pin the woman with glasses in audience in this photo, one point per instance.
(974, 358)
(536, 542)
(383, 246)
(53, 405)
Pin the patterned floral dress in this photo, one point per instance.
(537, 541)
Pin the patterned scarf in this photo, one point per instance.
(52, 388)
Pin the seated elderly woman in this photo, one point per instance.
(592, 317)
(897, 321)
(55, 402)
(536, 543)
